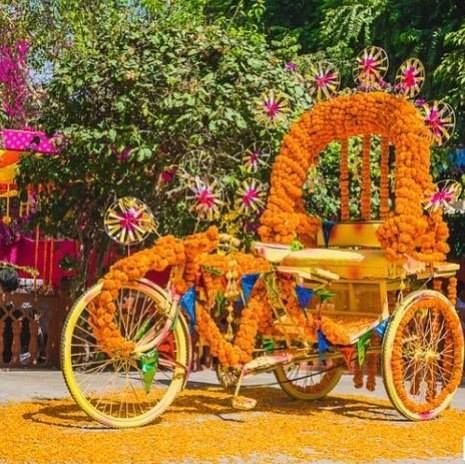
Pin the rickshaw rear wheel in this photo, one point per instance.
(423, 355)
(308, 380)
(114, 390)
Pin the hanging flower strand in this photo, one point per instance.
(206, 200)
(271, 109)
(250, 196)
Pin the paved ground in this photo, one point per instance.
(200, 416)
(22, 385)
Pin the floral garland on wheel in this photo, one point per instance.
(450, 374)
(168, 251)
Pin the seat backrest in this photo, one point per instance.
(351, 234)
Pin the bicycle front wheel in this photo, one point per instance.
(128, 391)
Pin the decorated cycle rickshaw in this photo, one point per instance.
(307, 302)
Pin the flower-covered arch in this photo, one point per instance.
(408, 230)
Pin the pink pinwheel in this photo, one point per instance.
(250, 196)
(441, 197)
(372, 65)
(447, 193)
(440, 118)
(206, 201)
(369, 65)
(271, 109)
(433, 120)
(130, 220)
(410, 77)
(253, 159)
(205, 197)
(323, 78)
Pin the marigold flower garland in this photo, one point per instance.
(344, 179)
(241, 350)
(194, 246)
(408, 231)
(193, 258)
(213, 269)
(365, 201)
(452, 290)
(167, 251)
(384, 180)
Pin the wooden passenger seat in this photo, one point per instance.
(350, 237)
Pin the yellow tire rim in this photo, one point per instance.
(112, 390)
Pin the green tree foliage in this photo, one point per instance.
(176, 82)
(339, 29)
(160, 91)
(451, 71)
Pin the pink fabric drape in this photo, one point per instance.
(25, 256)
(23, 253)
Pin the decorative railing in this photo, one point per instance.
(30, 329)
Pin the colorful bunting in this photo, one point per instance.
(327, 227)
(268, 345)
(187, 302)
(296, 245)
(380, 329)
(247, 284)
(324, 294)
(323, 343)
(348, 354)
(304, 296)
(149, 366)
(362, 345)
